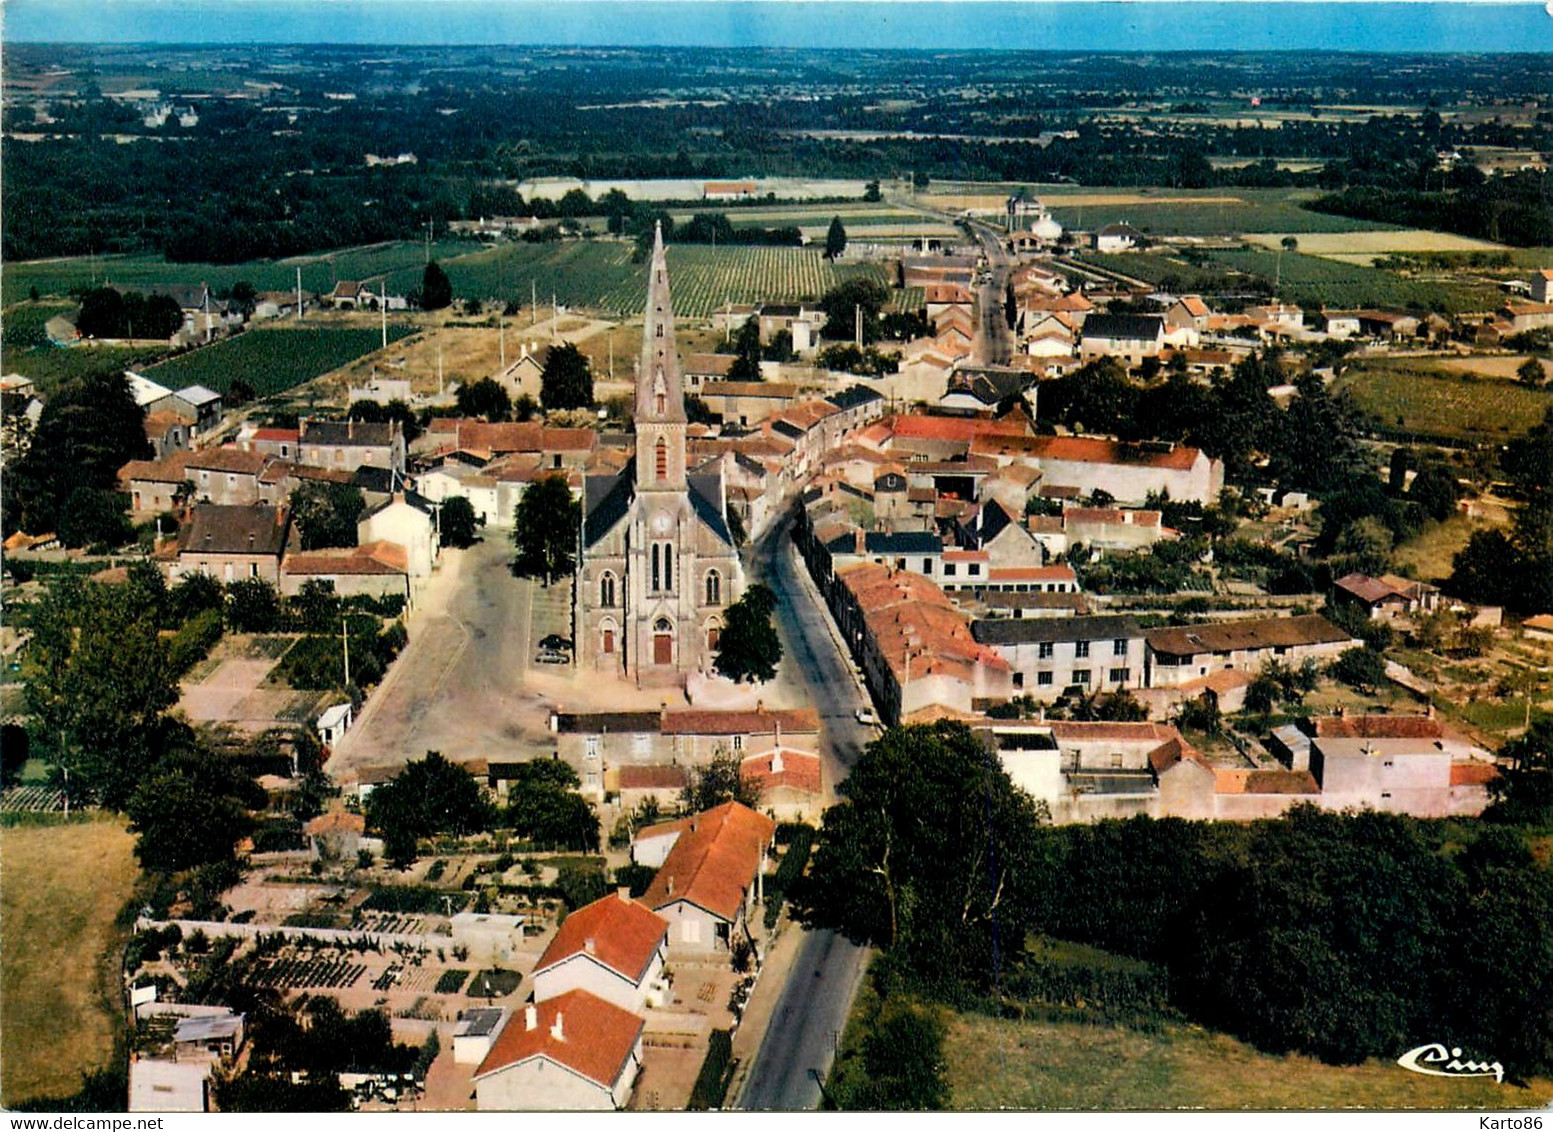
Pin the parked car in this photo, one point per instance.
(552, 656)
(866, 716)
(554, 642)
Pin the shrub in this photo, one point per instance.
(711, 1086)
(193, 641)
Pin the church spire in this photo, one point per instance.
(660, 394)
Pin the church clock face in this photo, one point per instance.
(662, 523)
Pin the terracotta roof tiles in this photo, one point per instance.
(616, 932)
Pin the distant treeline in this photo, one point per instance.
(1510, 210)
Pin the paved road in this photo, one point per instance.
(994, 341)
(801, 1040)
(813, 1007)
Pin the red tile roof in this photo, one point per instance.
(616, 931)
(799, 770)
(1236, 780)
(1377, 727)
(336, 821)
(714, 861)
(373, 558)
(597, 1038)
(962, 429)
(1094, 450)
(277, 435)
(1473, 773)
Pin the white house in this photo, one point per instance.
(573, 1053)
(614, 948)
(409, 525)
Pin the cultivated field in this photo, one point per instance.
(1417, 398)
(1367, 245)
(1006, 1064)
(401, 259)
(601, 275)
(1312, 281)
(63, 887)
(52, 366)
(273, 360)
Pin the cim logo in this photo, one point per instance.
(1435, 1060)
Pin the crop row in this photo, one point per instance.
(272, 361)
(290, 974)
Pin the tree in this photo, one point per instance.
(196, 593)
(567, 379)
(903, 1061)
(1361, 668)
(1532, 373)
(841, 304)
(436, 288)
(543, 806)
(486, 399)
(457, 522)
(1523, 792)
(835, 239)
(932, 854)
(871, 192)
(243, 298)
(545, 529)
(92, 517)
(317, 606)
(326, 514)
(746, 344)
(192, 810)
(253, 606)
(1435, 490)
(429, 797)
(721, 780)
(748, 649)
(99, 684)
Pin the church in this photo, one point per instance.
(657, 566)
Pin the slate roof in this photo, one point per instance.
(198, 395)
(1032, 630)
(349, 433)
(704, 493)
(605, 501)
(218, 529)
(1117, 326)
(902, 542)
(853, 396)
(599, 722)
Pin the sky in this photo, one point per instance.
(1072, 25)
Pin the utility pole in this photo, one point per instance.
(299, 294)
(501, 338)
(428, 241)
(857, 311)
(533, 303)
(439, 370)
(346, 642)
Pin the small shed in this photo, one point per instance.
(476, 1033)
(334, 723)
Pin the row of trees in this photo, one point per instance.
(1515, 569)
(1344, 936)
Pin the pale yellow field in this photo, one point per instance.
(1500, 365)
(1346, 246)
(879, 231)
(61, 888)
(985, 201)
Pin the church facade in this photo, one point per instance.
(658, 566)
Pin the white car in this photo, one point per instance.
(866, 716)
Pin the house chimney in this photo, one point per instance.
(624, 894)
(671, 886)
(531, 1018)
(776, 761)
(589, 945)
(556, 1031)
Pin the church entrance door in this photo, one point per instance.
(663, 643)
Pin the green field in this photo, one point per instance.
(1412, 397)
(1312, 281)
(1258, 210)
(22, 326)
(601, 275)
(52, 366)
(402, 260)
(272, 360)
(1007, 1064)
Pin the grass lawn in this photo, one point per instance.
(1008, 1064)
(63, 886)
(1417, 398)
(1429, 555)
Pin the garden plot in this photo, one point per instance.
(31, 800)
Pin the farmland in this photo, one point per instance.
(64, 885)
(1416, 398)
(601, 275)
(1008, 1064)
(1350, 245)
(1312, 281)
(272, 361)
(52, 366)
(401, 260)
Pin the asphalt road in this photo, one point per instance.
(812, 1010)
(994, 341)
(801, 1041)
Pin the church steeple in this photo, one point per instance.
(660, 391)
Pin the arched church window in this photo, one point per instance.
(668, 566)
(714, 588)
(607, 589)
(657, 574)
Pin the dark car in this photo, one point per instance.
(554, 641)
